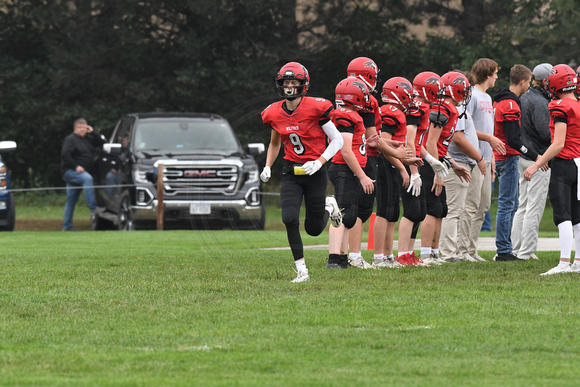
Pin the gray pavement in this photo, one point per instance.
(485, 244)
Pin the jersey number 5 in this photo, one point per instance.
(298, 146)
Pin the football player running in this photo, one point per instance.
(302, 124)
(564, 153)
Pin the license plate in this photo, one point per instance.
(200, 209)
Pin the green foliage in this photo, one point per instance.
(100, 59)
(213, 308)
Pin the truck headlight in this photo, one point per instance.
(139, 176)
(253, 176)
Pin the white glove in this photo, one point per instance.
(437, 166)
(415, 185)
(311, 167)
(266, 174)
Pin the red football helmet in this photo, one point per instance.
(292, 70)
(561, 78)
(427, 85)
(366, 69)
(398, 90)
(353, 92)
(456, 86)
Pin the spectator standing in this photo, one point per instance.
(77, 167)
(464, 149)
(533, 193)
(507, 128)
(478, 199)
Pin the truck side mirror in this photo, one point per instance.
(112, 148)
(256, 149)
(7, 146)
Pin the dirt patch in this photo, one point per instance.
(48, 225)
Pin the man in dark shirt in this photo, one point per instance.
(77, 168)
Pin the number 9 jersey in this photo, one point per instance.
(300, 130)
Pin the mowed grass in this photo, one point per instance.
(214, 308)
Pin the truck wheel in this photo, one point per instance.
(11, 217)
(99, 224)
(125, 221)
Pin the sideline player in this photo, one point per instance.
(564, 152)
(367, 71)
(302, 124)
(346, 171)
(443, 118)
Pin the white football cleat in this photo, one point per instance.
(360, 263)
(557, 270)
(574, 268)
(336, 215)
(302, 276)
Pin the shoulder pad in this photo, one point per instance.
(437, 118)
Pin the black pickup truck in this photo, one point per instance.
(208, 178)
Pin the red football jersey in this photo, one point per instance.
(567, 109)
(422, 112)
(352, 122)
(505, 110)
(300, 131)
(375, 109)
(450, 111)
(394, 121)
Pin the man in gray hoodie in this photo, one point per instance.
(532, 194)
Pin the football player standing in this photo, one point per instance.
(564, 153)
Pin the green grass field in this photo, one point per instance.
(213, 308)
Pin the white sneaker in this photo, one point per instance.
(383, 262)
(557, 270)
(393, 262)
(431, 261)
(302, 276)
(534, 256)
(336, 215)
(574, 268)
(479, 258)
(359, 262)
(469, 258)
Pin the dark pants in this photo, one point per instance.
(564, 191)
(346, 189)
(313, 190)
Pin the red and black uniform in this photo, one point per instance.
(564, 177)
(507, 125)
(388, 185)
(372, 117)
(419, 116)
(347, 185)
(444, 115)
(304, 140)
(420, 113)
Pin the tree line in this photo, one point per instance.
(99, 59)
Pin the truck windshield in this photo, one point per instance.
(185, 135)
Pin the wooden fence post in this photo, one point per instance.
(160, 190)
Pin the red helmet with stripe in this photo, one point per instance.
(365, 69)
(353, 92)
(427, 85)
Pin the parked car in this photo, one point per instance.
(7, 207)
(209, 180)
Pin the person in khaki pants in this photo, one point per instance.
(465, 151)
(533, 193)
(478, 199)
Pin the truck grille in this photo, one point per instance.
(187, 177)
